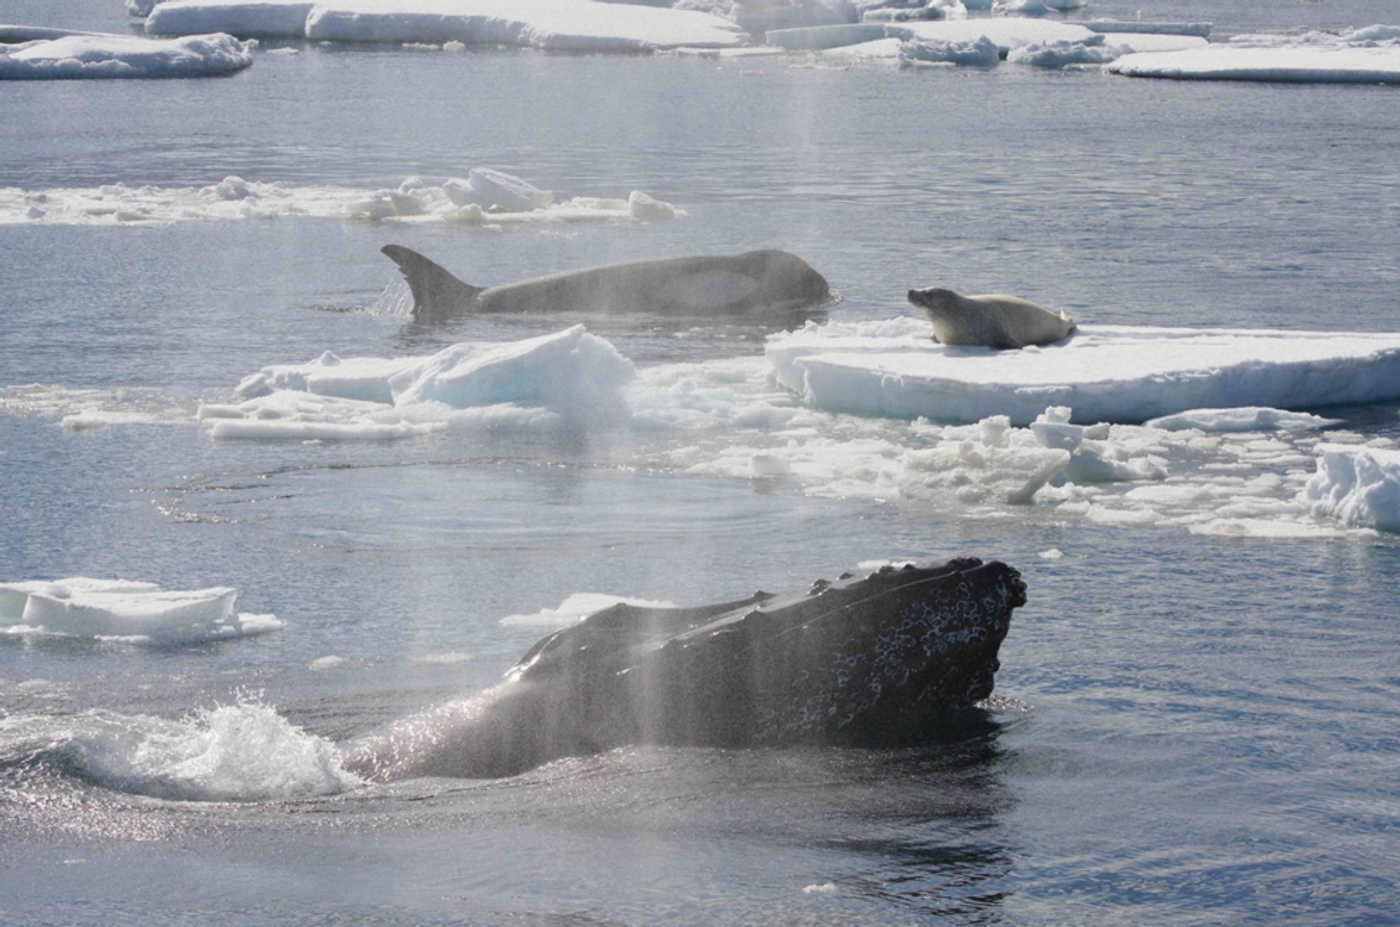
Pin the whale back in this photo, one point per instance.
(693, 286)
(840, 661)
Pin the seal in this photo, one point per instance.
(994, 321)
(880, 659)
(698, 285)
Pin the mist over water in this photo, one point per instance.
(1188, 729)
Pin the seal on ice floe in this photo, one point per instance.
(994, 321)
(695, 286)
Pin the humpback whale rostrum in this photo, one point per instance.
(699, 285)
(855, 661)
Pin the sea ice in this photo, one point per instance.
(1369, 55)
(1242, 418)
(550, 24)
(124, 610)
(1356, 485)
(569, 377)
(1106, 373)
(123, 56)
(452, 201)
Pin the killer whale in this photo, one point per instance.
(698, 285)
(853, 661)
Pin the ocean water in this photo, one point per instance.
(1188, 730)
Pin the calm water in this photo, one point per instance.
(1195, 730)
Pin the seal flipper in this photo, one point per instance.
(437, 294)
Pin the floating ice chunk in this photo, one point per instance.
(1200, 30)
(14, 596)
(492, 189)
(330, 661)
(122, 610)
(980, 52)
(575, 608)
(1244, 418)
(1053, 553)
(566, 378)
(262, 19)
(230, 188)
(140, 7)
(1106, 373)
(1061, 53)
(1035, 7)
(240, 752)
(824, 888)
(643, 207)
(1297, 62)
(1356, 485)
(99, 56)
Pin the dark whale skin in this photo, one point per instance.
(845, 662)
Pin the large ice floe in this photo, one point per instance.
(566, 379)
(99, 56)
(569, 25)
(1106, 373)
(125, 611)
(1368, 55)
(484, 198)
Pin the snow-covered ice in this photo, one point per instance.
(483, 198)
(1241, 418)
(575, 608)
(890, 41)
(1367, 55)
(567, 378)
(97, 56)
(1356, 485)
(549, 24)
(136, 612)
(1106, 373)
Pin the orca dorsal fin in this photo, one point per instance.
(437, 294)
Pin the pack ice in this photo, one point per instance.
(137, 612)
(574, 25)
(97, 56)
(1106, 373)
(1368, 55)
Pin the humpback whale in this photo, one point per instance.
(855, 661)
(699, 285)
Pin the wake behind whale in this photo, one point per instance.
(858, 661)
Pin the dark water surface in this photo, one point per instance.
(1192, 730)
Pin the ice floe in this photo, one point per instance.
(1356, 485)
(238, 752)
(550, 24)
(99, 56)
(1367, 55)
(486, 197)
(122, 610)
(1106, 373)
(569, 378)
(576, 607)
(88, 409)
(1026, 41)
